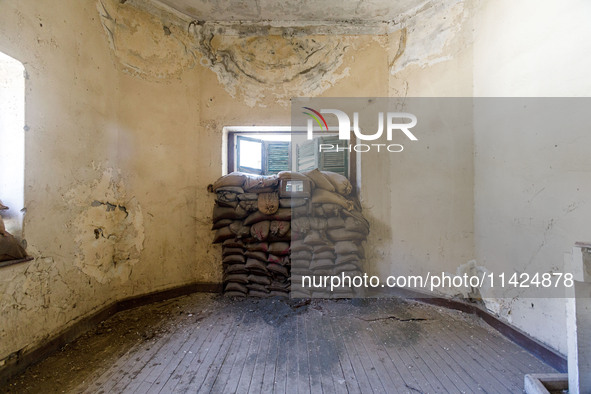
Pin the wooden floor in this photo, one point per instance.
(211, 344)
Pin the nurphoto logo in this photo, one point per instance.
(395, 122)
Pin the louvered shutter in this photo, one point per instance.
(277, 157)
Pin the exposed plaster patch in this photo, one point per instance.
(143, 44)
(427, 31)
(109, 228)
(277, 65)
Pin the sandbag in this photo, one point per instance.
(314, 238)
(268, 203)
(281, 214)
(340, 234)
(233, 243)
(256, 265)
(279, 228)
(239, 229)
(222, 234)
(221, 223)
(229, 251)
(257, 287)
(227, 204)
(248, 197)
(236, 278)
(321, 196)
(347, 258)
(220, 213)
(301, 224)
(356, 224)
(234, 294)
(260, 279)
(335, 222)
(318, 224)
(322, 263)
(226, 196)
(257, 294)
(239, 287)
(340, 183)
(276, 268)
(299, 245)
(323, 248)
(346, 247)
(261, 256)
(249, 205)
(278, 259)
(301, 255)
(236, 269)
(258, 246)
(260, 230)
(319, 179)
(279, 248)
(258, 184)
(10, 248)
(232, 179)
(232, 189)
(234, 259)
(329, 254)
(292, 202)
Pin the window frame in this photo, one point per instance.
(229, 134)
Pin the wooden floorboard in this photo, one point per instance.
(324, 346)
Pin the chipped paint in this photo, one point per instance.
(109, 228)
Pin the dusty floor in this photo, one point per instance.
(333, 345)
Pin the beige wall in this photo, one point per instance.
(532, 186)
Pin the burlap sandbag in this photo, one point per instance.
(340, 183)
(233, 179)
(258, 294)
(324, 255)
(233, 243)
(323, 248)
(220, 213)
(260, 230)
(239, 229)
(281, 260)
(301, 224)
(249, 205)
(229, 251)
(346, 247)
(258, 246)
(236, 278)
(227, 204)
(301, 255)
(234, 294)
(237, 190)
(248, 197)
(255, 265)
(238, 287)
(300, 211)
(221, 223)
(279, 248)
(268, 203)
(347, 258)
(222, 234)
(319, 179)
(314, 238)
(332, 210)
(261, 256)
(318, 224)
(320, 264)
(357, 224)
(279, 286)
(279, 269)
(279, 228)
(260, 279)
(292, 202)
(260, 184)
(299, 245)
(236, 269)
(257, 287)
(10, 248)
(335, 222)
(226, 196)
(281, 214)
(321, 196)
(340, 234)
(234, 259)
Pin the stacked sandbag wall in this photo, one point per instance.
(272, 239)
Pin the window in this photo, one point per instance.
(267, 151)
(12, 142)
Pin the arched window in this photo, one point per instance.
(12, 142)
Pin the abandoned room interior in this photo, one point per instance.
(160, 213)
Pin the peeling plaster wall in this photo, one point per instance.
(532, 189)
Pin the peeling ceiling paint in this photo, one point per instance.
(296, 10)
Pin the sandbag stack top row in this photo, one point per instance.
(276, 229)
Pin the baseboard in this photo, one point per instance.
(20, 360)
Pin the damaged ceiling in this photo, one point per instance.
(354, 11)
